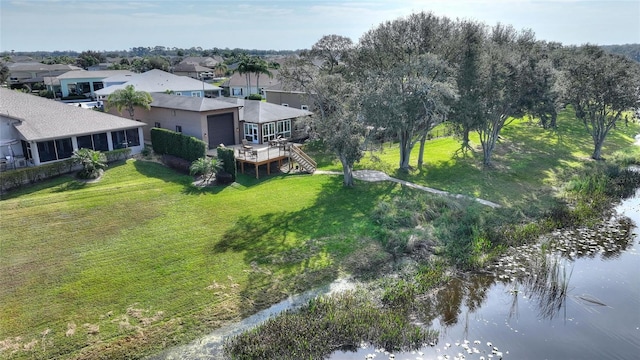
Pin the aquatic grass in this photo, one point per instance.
(329, 323)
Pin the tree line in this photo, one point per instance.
(406, 76)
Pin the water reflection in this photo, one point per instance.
(575, 295)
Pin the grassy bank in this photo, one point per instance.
(142, 260)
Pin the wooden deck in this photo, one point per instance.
(257, 155)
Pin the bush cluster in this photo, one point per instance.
(16, 178)
(177, 163)
(254, 97)
(228, 159)
(167, 142)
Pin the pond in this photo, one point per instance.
(516, 312)
(577, 296)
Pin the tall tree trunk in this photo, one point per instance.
(347, 169)
(405, 150)
(597, 151)
(423, 139)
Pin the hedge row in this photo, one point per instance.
(16, 178)
(173, 143)
(228, 161)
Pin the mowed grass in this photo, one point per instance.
(529, 162)
(142, 259)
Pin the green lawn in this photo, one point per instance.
(143, 252)
(142, 259)
(528, 161)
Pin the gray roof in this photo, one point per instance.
(157, 81)
(189, 103)
(191, 68)
(45, 119)
(84, 74)
(36, 66)
(256, 111)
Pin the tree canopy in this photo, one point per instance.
(129, 98)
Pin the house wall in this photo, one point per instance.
(193, 123)
(295, 100)
(8, 132)
(64, 84)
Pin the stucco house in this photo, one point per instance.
(292, 98)
(158, 81)
(36, 130)
(213, 121)
(236, 85)
(35, 72)
(262, 122)
(194, 71)
(86, 82)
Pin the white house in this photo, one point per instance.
(158, 81)
(35, 130)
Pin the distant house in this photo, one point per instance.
(205, 61)
(36, 130)
(34, 72)
(194, 71)
(236, 85)
(158, 81)
(292, 98)
(86, 82)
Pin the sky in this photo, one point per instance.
(108, 25)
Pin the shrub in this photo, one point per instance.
(228, 159)
(167, 142)
(118, 154)
(206, 167)
(176, 163)
(255, 97)
(92, 162)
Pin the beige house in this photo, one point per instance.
(213, 121)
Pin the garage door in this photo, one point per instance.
(220, 130)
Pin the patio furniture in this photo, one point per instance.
(245, 145)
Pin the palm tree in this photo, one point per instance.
(261, 67)
(129, 98)
(221, 69)
(93, 162)
(245, 68)
(206, 167)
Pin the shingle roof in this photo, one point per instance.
(256, 111)
(36, 66)
(157, 81)
(84, 74)
(44, 119)
(189, 103)
(190, 67)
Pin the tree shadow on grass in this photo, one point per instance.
(290, 252)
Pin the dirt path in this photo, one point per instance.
(374, 176)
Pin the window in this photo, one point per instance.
(55, 149)
(195, 93)
(157, 124)
(236, 91)
(85, 142)
(284, 128)
(268, 132)
(251, 132)
(178, 128)
(133, 138)
(118, 139)
(304, 107)
(178, 93)
(100, 142)
(283, 104)
(173, 112)
(97, 85)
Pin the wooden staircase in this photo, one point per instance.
(305, 162)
